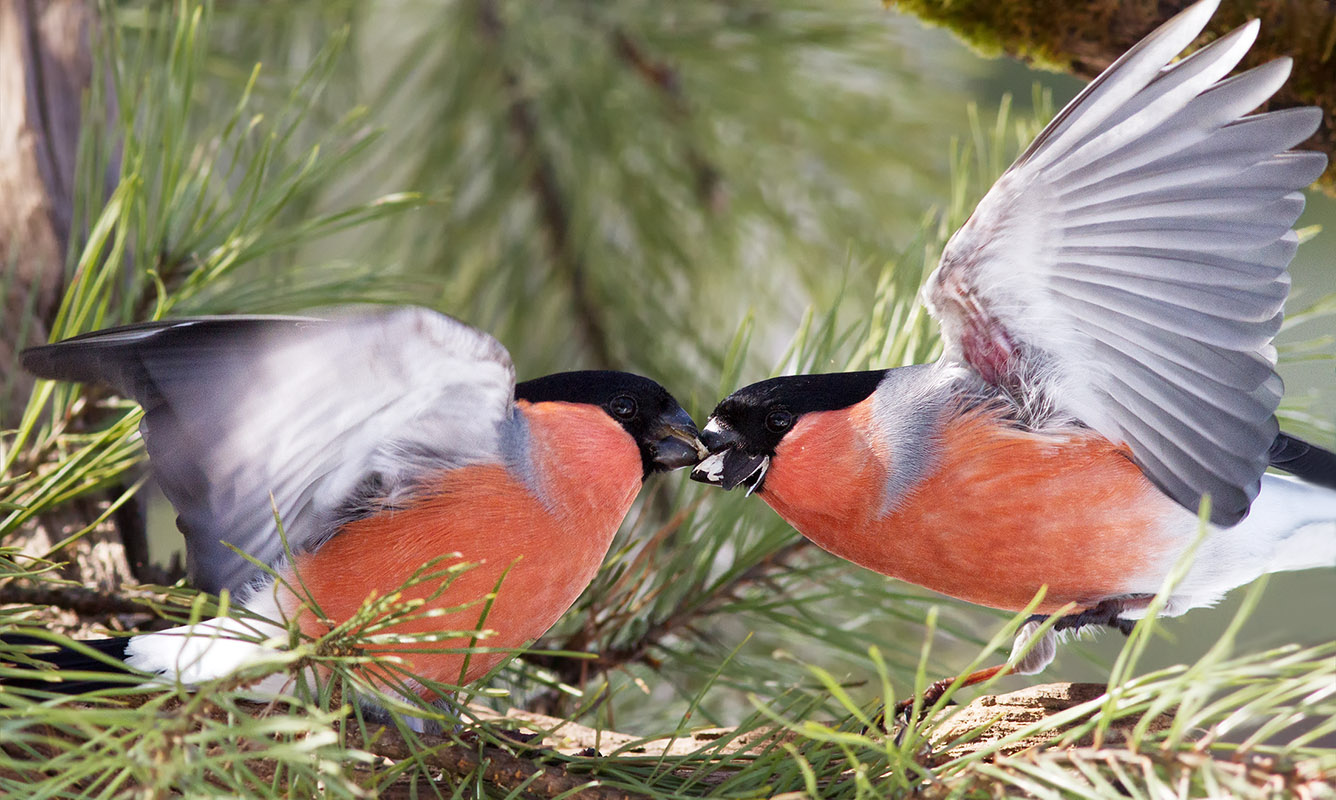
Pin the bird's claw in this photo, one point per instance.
(902, 713)
(904, 709)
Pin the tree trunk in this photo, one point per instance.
(46, 66)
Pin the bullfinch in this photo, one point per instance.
(1107, 317)
(378, 442)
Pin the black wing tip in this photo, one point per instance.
(60, 659)
(112, 355)
(42, 361)
(1230, 507)
(77, 362)
(1303, 460)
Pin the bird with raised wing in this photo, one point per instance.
(348, 454)
(1107, 316)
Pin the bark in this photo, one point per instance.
(1005, 714)
(1084, 38)
(46, 66)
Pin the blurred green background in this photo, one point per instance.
(632, 184)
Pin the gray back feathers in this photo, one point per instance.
(332, 419)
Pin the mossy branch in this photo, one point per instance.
(1085, 38)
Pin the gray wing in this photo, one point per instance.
(1130, 268)
(322, 415)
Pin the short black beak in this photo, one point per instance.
(729, 465)
(675, 441)
(720, 439)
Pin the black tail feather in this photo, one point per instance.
(1305, 461)
(60, 659)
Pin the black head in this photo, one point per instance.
(665, 433)
(749, 424)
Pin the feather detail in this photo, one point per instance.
(318, 415)
(980, 525)
(539, 532)
(1131, 265)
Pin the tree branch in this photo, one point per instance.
(1084, 38)
(83, 601)
(578, 671)
(664, 79)
(552, 205)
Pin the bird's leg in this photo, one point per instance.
(1036, 658)
(932, 694)
(934, 691)
(1040, 655)
(1106, 613)
(1027, 658)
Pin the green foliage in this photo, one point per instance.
(197, 200)
(617, 173)
(599, 183)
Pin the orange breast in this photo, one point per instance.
(997, 514)
(551, 541)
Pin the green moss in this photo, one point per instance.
(1084, 38)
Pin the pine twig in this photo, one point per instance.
(666, 80)
(551, 202)
(578, 671)
(81, 600)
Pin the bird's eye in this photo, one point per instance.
(623, 406)
(778, 421)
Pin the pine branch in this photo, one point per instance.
(538, 749)
(666, 80)
(955, 733)
(578, 671)
(546, 757)
(83, 601)
(552, 205)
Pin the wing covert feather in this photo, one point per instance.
(1129, 270)
(316, 414)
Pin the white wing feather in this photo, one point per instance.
(1129, 269)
